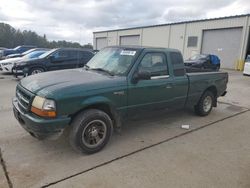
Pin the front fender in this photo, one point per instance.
(96, 100)
(101, 100)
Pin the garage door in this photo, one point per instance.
(101, 43)
(130, 40)
(225, 43)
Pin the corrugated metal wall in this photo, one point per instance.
(176, 35)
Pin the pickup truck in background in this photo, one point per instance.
(16, 50)
(116, 84)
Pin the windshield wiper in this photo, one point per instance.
(103, 70)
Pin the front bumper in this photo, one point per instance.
(37, 126)
(6, 68)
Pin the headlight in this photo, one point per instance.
(44, 107)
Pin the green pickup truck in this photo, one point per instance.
(116, 84)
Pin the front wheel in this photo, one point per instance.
(91, 131)
(205, 104)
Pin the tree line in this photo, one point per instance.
(10, 38)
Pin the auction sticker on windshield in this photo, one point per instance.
(128, 52)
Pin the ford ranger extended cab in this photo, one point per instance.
(115, 84)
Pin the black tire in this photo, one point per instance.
(35, 70)
(84, 125)
(201, 108)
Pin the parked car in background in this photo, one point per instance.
(202, 62)
(56, 59)
(118, 83)
(247, 66)
(25, 53)
(7, 65)
(17, 50)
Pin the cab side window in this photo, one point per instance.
(155, 63)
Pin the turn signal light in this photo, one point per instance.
(43, 113)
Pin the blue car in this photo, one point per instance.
(202, 62)
(16, 50)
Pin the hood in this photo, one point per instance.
(9, 51)
(22, 61)
(32, 60)
(11, 60)
(70, 81)
(14, 55)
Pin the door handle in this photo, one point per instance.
(169, 86)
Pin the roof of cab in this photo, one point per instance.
(144, 47)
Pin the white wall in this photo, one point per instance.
(155, 36)
(176, 35)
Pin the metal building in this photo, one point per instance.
(227, 37)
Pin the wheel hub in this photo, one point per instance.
(207, 104)
(94, 132)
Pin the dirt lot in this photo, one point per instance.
(154, 152)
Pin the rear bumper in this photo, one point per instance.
(39, 126)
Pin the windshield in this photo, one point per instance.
(47, 53)
(198, 57)
(115, 61)
(16, 48)
(34, 54)
(28, 51)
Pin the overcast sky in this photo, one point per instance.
(75, 20)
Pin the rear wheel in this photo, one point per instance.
(91, 131)
(36, 70)
(205, 104)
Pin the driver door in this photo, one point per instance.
(155, 93)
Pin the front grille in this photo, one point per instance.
(24, 99)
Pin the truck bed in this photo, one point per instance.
(200, 81)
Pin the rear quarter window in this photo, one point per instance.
(177, 62)
(176, 58)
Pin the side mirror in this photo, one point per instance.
(141, 75)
